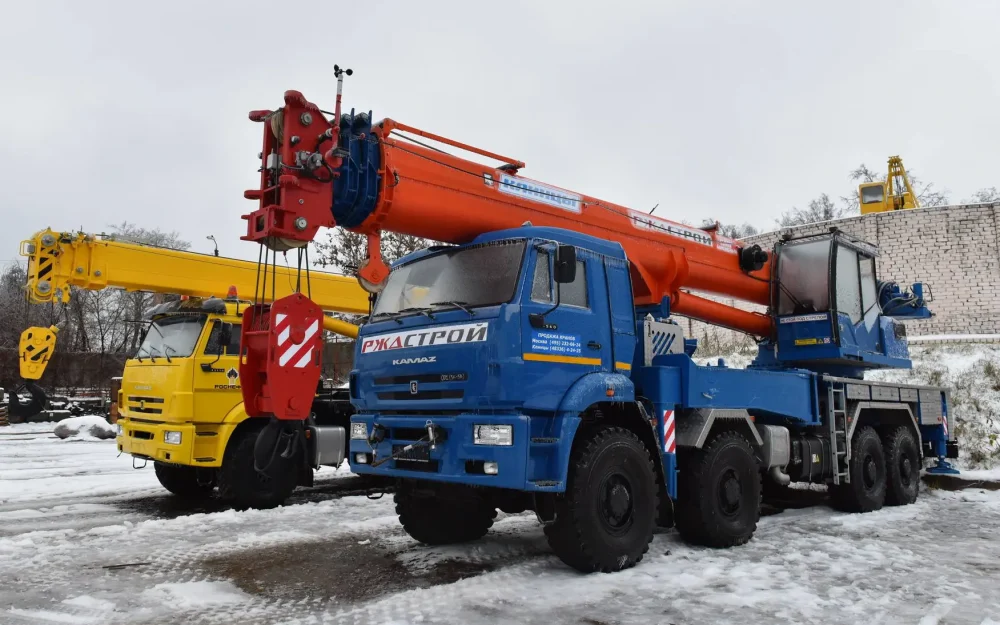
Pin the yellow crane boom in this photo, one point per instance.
(59, 260)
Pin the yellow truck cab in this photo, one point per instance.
(180, 406)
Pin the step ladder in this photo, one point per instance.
(836, 402)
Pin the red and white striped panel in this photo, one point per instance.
(289, 352)
(669, 440)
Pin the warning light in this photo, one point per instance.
(184, 298)
(231, 293)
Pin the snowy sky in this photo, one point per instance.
(137, 111)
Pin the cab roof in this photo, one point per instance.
(556, 235)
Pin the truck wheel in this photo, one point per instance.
(866, 492)
(434, 518)
(242, 486)
(184, 481)
(718, 492)
(902, 463)
(605, 519)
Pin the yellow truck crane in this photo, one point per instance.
(180, 403)
(893, 194)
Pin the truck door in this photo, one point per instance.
(619, 288)
(576, 337)
(216, 373)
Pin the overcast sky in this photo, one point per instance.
(138, 110)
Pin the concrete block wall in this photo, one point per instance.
(954, 249)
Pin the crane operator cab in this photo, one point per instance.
(831, 312)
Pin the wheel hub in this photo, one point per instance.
(730, 492)
(906, 469)
(870, 472)
(616, 504)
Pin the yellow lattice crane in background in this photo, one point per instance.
(895, 193)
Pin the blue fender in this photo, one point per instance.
(593, 388)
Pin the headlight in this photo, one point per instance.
(502, 435)
(172, 438)
(359, 431)
(119, 430)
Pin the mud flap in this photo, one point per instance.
(278, 444)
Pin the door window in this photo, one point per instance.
(214, 348)
(575, 293)
(541, 283)
(848, 284)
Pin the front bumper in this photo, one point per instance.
(201, 447)
(535, 461)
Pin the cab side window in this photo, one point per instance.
(214, 347)
(541, 284)
(575, 293)
(572, 294)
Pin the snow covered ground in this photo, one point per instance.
(87, 540)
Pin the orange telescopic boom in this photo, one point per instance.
(374, 178)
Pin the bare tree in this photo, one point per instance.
(346, 251)
(136, 302)
(733, 231)
(820, 209)
(984, 196)
(153, 237)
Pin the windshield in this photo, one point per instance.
(174, 336)
(473, 276)
(803, 278)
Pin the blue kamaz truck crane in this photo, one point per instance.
(532, 362)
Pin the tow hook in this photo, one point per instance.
(433, 433)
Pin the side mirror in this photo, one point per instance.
(565, 265)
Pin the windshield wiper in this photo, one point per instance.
(385, 314)
(166, 352)
(423, 311)
(462, 305)
(150, 352)
(138, 353)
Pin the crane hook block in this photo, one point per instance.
(282, 357)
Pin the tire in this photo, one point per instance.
(867, 490)
(184, 481)
(436, 517)
(719, 492)
(242, 486)
(605, 519)
(902, 463)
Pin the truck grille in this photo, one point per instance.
(143, 404)
(434, 394)
(423, 378)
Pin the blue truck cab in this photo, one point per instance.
(515, 373)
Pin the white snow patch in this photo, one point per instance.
(86, 601)
(181, 595)
(968, 338)
(48, 616)
(85, 427)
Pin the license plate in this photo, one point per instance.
(415, 454)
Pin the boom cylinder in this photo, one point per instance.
(389, 180)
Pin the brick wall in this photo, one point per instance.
(954, 249)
